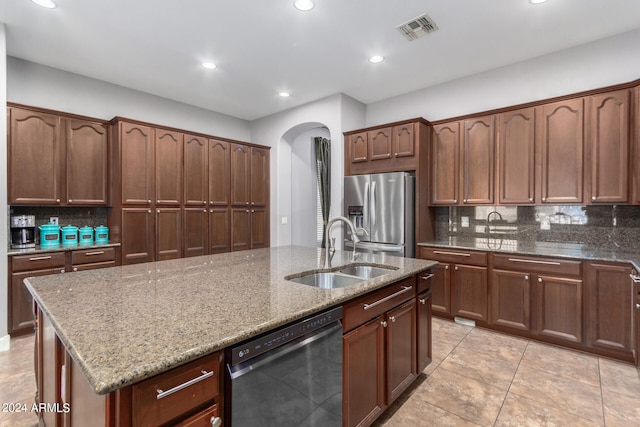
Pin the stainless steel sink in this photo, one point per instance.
(347, 276)
(327, 280)
(365, 271)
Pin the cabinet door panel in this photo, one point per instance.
(403, 141)
(559, 311)
(240, 229)
(168, 149)
(479, 152)
(195, 231)
(136, 164)
(561, 145)
(196, 173)
(446, 162)
(36, 158)
(470, 290)
(240, 178)
(609, 140)
(219, 231)
(87, 169)
(358, 147)
(380, 144)
(441, 289)
(21, 301)
(138, 232)
(219, 172)
(516, 148)
(259, 228)
(609, 305)
(363, 382)
(259, 176)
(424, 331)
(168, 233)
(511, 299)
(401, 349)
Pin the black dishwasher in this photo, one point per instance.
(289, 377)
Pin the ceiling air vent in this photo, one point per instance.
(417, 27)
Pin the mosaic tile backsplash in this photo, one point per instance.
(608, 227)
(77, 216)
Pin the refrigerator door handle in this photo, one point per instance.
(365, 209)
(373, 205)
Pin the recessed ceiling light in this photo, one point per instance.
(303, 5)
(209, 65)
(49, 4)
(284, 94)
(376, 59)
(537, 1)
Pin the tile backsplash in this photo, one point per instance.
(77, 216)
(608, 227)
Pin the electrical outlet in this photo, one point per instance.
(284, 220)
(464, 221)
(545, 224)
(53, 220)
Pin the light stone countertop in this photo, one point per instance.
(560, 250)
(125, 324)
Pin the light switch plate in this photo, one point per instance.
(464, 221)
(545, 224)
(285, 220)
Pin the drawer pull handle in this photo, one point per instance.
(384, 324)
(423, 301)
(216, 421)
(428, 276)
(636, 279)
(533, 261)
(39, 258)
(189, 383)
(450, 253)
(393, 319)
(95, 253)
(387, 298)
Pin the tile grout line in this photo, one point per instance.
(511, 383)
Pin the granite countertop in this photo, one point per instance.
(58, 248)
(561, 250)
(125, 324)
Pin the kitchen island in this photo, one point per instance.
(124, 326)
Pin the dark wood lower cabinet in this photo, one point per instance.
(470, 292)
(219, 231)
(609, 309)
(401, 349)
(441, 289)
(558, 308)
(138, 232)
(195, 232)
(511, 299)
(249, 228)
(168, 233)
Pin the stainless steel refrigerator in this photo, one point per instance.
(382, 208)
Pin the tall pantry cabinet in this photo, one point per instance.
(179, 195)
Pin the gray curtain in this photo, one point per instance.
(323, 172)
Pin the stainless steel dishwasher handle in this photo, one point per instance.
(387, 298)
(533, 261)
(204, 375)
(450, 253)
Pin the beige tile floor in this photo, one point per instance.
(477, 378)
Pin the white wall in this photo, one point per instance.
(38, 85)
(603, 63)
(330, 112)
(4, 338)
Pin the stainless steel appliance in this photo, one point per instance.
(382, 207)
(23, 231)
(289, 377)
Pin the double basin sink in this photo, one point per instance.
(343, 277)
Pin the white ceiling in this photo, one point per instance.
(263, 47)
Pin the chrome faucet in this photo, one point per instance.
(328, 255)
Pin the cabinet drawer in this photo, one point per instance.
(455, 256)
(172, 394)
(39, 261)
(425, 280)
(537, 265)
(87, 256)
(207, 418)
(361, 310)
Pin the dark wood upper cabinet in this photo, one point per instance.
(516, 157)
(36, 158)
(136, 163)
(168, 167)
(561, 145)
(445, 172)
(609, 140)
(404, 144)
(380, 144)
(219, 172)
(635, 158)
(478, 142)
(358, 149)
(87, 166)
(259, 176)
(240, 174)
(196, 173)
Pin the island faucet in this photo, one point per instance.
(354, 239)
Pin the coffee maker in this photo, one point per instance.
(23, 231)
